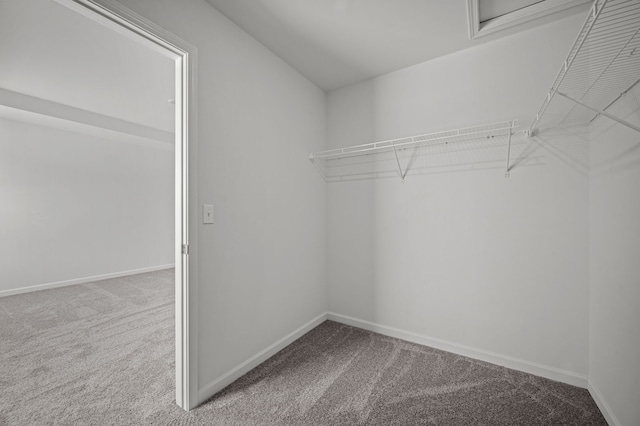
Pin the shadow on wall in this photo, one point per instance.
(603, 130)
(569, 140)
(570, 144)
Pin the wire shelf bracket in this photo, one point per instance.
(603, 64)
(402, 174)
(330, 163)
(506, 173)
(610, 116)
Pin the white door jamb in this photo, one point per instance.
(126, 22)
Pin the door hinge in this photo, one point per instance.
(185, 249)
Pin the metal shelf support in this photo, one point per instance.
(606, 114)
(573, 53)
(331, 164)
(602, 65)
(506, 173)
(402, 174)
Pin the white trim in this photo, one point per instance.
(602, 404)
(119, 18)
(518, 17)
(14, 291)
(473, 19)
(548, 372)
(124, 21)
(234, 374)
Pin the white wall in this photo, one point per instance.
(75, 206)
(460, 253)
(54, 53)
(614, 346)
(262, 264)
(92, 89)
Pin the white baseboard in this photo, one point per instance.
(231, 376)
(552, 373)
(84, 280)
(602, 404)
(234, 374)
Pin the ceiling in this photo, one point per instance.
(53, 53)
(335, 43)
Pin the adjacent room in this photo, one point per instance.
(399, 212)
(87, 251)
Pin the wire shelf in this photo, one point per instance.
(601, 67)
(399, 156)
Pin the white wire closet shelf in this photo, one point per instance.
(601, 67)
(399, 156)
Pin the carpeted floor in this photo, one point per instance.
(90, 354)
(340, 375)
(102, 353)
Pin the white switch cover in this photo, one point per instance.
(207, 213)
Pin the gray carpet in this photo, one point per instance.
(102, 353)
(90, 354)
(340, 375)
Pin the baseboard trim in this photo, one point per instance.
(234, 374)
(552, 373)
(84, 280)
(602, 404)
(231, 376)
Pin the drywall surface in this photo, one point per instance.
(262, 263)
(614, 346)
(43, 56)
(458, 252)
(75, 206)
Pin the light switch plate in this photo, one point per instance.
(207, 213)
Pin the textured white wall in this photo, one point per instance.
(262, 264)
(614, 346)
(461, 253)
(74, 206)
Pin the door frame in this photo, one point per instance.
(128, 23)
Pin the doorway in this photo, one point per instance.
(134, 26)
(117, 18)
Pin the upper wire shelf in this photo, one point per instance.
(399, 155)
(601, 67)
